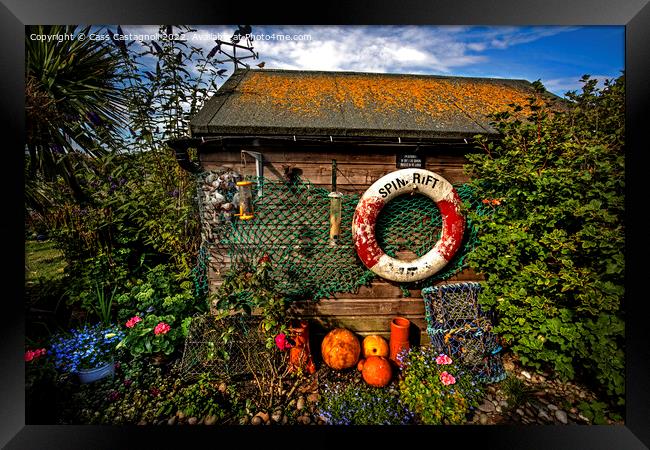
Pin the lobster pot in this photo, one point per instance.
(457, 327)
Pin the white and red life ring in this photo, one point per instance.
(382, 191)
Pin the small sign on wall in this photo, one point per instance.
(410, 161)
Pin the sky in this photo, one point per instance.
(556, 55)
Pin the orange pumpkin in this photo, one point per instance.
(340, 349)
(375, 345)
(377, 371)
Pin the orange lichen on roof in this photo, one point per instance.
(317, 93)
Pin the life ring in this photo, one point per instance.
(407, 181)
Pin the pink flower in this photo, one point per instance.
(161, 328)
(282, 342)
(31, 355)
(443, 359)
(447, 378)
(132, 321)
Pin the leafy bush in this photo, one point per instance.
(552, 251)
(360, 404)
(202, 398)
(158, 293)
(436, 389)
(154, 334)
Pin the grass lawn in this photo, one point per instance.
(42, 260)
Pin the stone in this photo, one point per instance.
(498, 409)
(487, 406)
(552, 407)
(300, 404)
(210, 420)
(526, 374)
(520, 412)
(192, 421)
(285, 419)
(503, 403)
(276, 416)
(573, 410)
(483, 419)
(142, 423)
(542, 415)
(306, 419)
(172, 421)
(561, 416)
(313, 398)
(257, 420)
(264, 416)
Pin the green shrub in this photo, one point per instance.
(202, 398)
(423, 388)
(552, 251)
(361, 404)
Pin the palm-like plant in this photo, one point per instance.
(73, 102)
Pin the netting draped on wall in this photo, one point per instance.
(291, 225)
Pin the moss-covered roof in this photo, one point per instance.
(304, 103)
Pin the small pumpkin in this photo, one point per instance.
(375, 345)
(377, 371)
(340, 349)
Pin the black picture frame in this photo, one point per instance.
(15, 14)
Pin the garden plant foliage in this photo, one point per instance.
(552, 251)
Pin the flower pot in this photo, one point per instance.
(399, 338)
(90, 375)
(300, 353)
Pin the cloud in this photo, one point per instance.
(368, 49)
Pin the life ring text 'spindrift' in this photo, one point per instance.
(400, 182)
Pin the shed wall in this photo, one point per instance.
(370, 310)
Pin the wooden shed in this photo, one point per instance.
(347, 129)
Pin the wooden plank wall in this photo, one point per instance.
(370, 310)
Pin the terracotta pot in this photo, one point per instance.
(399, 337)
(300, 353)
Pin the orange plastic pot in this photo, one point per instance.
(300, 353)
(399, 338)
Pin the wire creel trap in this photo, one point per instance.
(459, 328)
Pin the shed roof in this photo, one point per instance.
(307, 103)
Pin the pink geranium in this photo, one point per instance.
(443, 359)
(161, 328)
(31, 355)
(447, 378)
(282, 342)
(132, 321)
